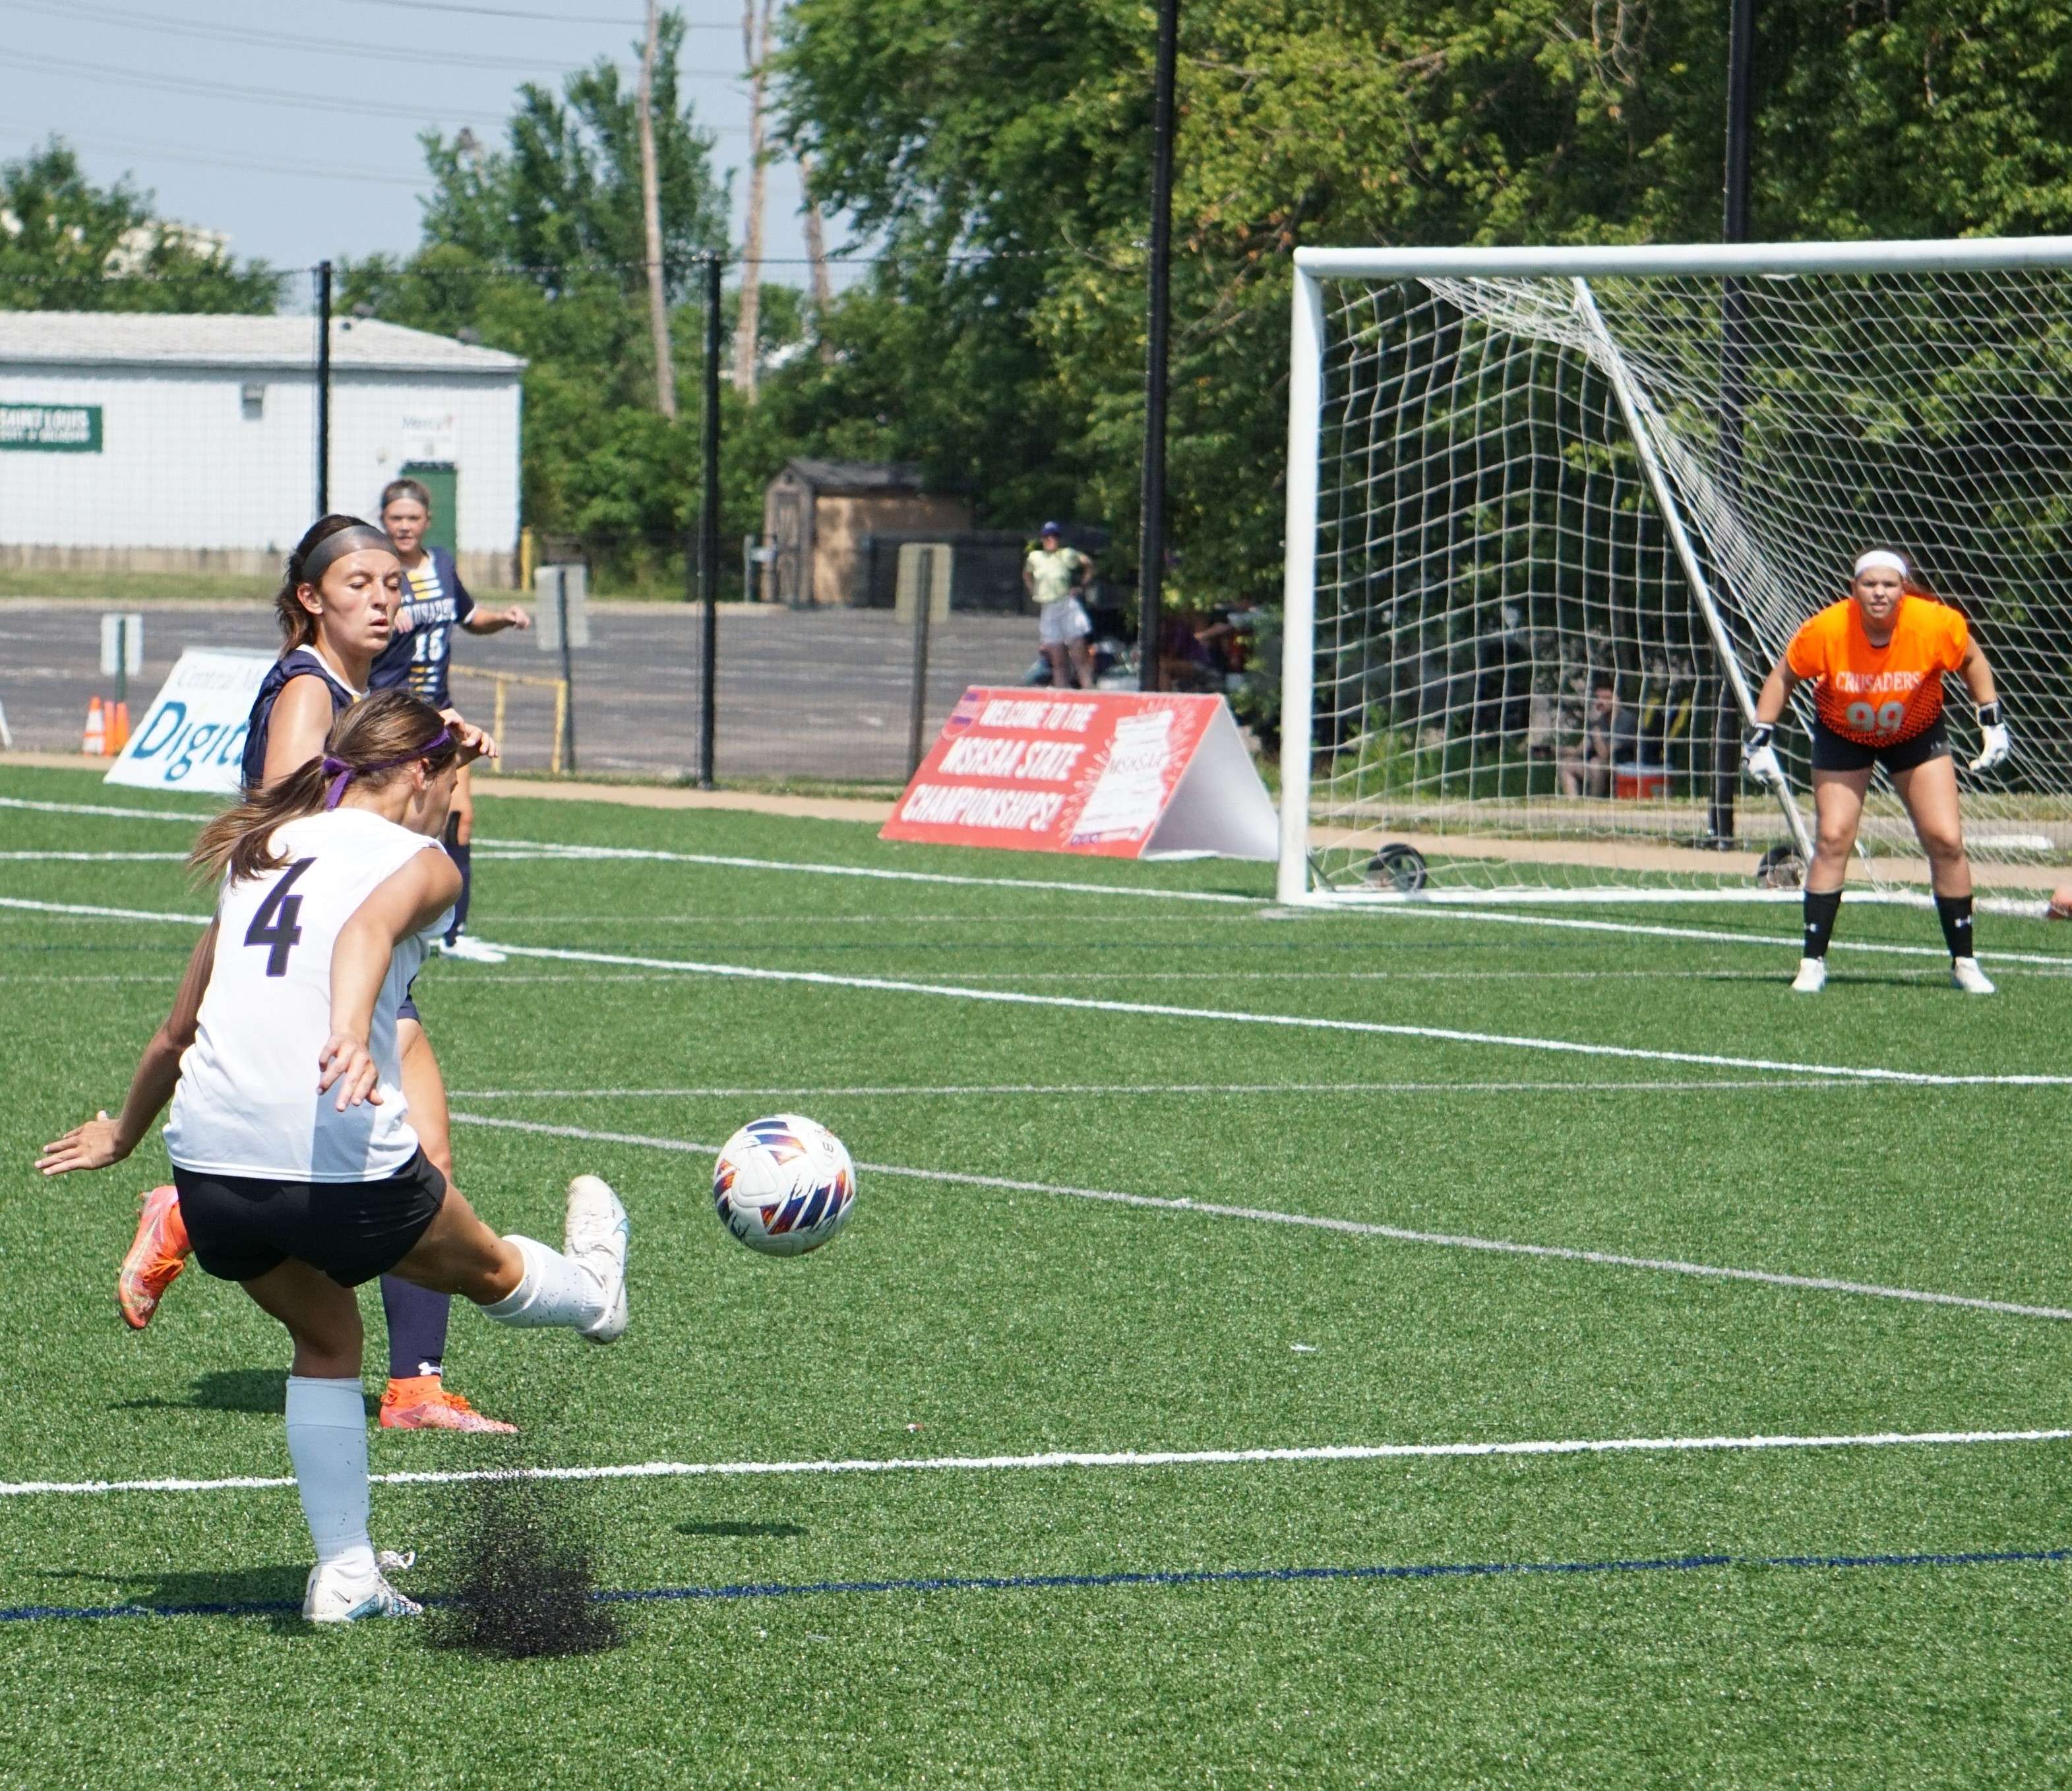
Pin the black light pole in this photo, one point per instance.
(323, 389)
(1734, 379)
(708, 533)
(1151, 531)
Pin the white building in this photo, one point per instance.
(135, 443)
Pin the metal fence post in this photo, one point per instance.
(323, 389)
(924, 579)
(709, 534)
(568, 673)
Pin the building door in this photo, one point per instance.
(441, 479)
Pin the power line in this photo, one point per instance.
(299, 101)
(513, 12)
(198, 30)
(271, 164)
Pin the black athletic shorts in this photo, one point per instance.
(1834, 752)
(243, 1226)
(407, 1008)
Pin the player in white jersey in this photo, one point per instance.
(299, 1175)
(343, 587)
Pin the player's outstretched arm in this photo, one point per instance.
(405, 902)
(495, 621)
(1759, 755)
(1995, 742)
(102, 1140)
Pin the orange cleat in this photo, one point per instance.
(422, 1402)
(157, 1255)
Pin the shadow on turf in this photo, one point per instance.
(257, 1389)
(273, 1593)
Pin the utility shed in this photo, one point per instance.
(141, 443)
(816, 514)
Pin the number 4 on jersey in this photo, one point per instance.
(277, 924)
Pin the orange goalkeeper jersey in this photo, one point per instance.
(1879, 695)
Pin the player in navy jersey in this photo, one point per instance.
(344, 584)
(434, 603)
(300, 1173)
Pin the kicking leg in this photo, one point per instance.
(519, 1281)
(326, 1415)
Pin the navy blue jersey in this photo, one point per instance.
(435, 600)
(301, 662)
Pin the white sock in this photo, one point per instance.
(327, 1442)
(556, 1290)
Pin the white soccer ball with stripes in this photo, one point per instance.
(783, 1185)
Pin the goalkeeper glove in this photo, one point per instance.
(1758, 756)
(1995, 742)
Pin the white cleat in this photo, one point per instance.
(471, 950)
(332, 1597)
(1965, 974)
(595, 1235)
(1812, 976)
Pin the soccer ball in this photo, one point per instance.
(783, 1185)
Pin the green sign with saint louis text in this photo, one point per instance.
(51, 428)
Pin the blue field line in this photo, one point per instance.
(1098, 1581)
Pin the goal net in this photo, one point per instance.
(1554, 514)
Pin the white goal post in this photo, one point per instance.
(1553, 513)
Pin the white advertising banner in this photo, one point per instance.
(192, 736)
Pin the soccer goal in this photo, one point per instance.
(1553, 513)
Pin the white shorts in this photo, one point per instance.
(1061, 623)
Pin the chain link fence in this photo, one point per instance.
(161, 460)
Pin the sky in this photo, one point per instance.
(206, 103)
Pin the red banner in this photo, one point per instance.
(1117, 773)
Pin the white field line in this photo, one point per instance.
(1162, 1010)
(547, 848)
(93, 911)
(97, 857)
(189, 816)
(1762, 1085)
(1353, 1227)
(1302, 1022)
(1076, 1458)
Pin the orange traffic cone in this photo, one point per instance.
(94, 743)
(118, 732)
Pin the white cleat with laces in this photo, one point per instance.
(1812, 976)
(1965, 974)
(333, 1596)
(595, 1235)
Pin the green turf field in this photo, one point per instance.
(1848, 1614)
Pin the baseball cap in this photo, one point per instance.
(1051, 529)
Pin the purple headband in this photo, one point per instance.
(341, 774)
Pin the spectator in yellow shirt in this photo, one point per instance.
(1054, 575)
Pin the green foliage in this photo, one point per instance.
(539, 248)
(68, 246)
(984, 126)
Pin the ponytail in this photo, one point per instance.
(374, 742)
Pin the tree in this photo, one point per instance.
(1018, 137)
(66, 244)
(540, 248)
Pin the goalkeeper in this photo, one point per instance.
(1876, 661)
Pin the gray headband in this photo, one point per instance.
(356, 539)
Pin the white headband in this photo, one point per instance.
(1880, 556)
